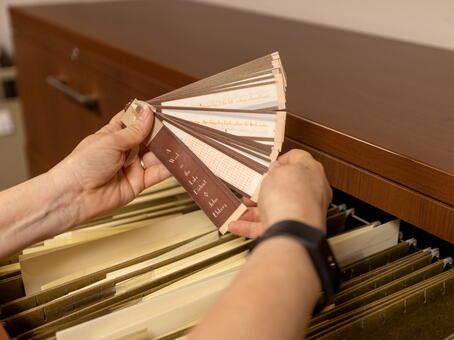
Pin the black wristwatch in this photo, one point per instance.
(319, 251)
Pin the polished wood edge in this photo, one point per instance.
(422, 211)
(399, 168)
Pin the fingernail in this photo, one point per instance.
(143, 114)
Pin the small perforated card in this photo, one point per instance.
(219, 135)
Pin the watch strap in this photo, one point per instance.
(318, 249)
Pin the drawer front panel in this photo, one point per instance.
(55, 121)
(33, 66)
(402, 202)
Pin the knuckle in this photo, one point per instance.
(136, 130)
(300, 154)
(316, 166)
(297, 156)
(319, 166)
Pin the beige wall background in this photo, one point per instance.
(5, 31)
(429, 22)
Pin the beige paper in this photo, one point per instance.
(362, 242)
(36, 271)
(159, 315)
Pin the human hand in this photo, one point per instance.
(295, 188)
(95, 169)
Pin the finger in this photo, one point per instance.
(248, 202)
(294, 156)
(149, 159)
(135, 177)
(114, 124)
(155, 174)
(136, 133)
(246, 229)
(251, 215)
(132, 156)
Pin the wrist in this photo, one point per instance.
(315, 243)
(287, 250)
(311, 215)
(69, 196)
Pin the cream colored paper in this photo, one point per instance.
(36, 271)
(362, 242)
(159, 315)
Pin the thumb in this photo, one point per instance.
(125, 139)
(246, 229)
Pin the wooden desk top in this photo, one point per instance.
(389, 104)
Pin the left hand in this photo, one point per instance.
(295, 188)
(95, 169)
(249, 224)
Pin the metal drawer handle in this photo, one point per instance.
(85, 100)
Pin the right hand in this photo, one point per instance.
(295, 188)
